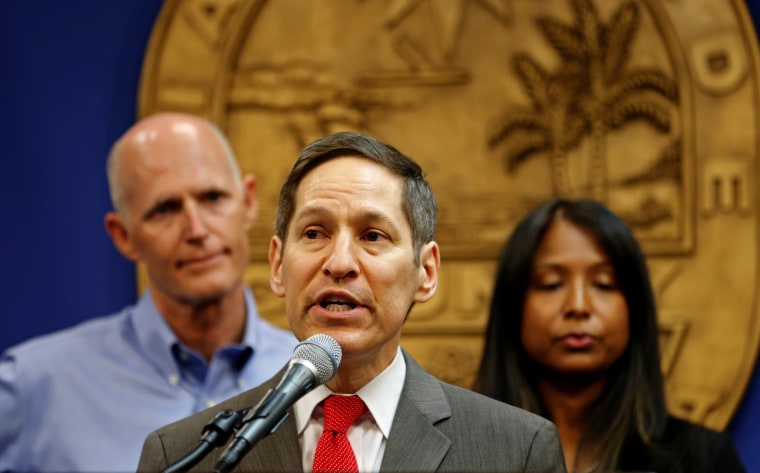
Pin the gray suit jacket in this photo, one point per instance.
(437, 427)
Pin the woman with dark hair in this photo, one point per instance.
(572, 335)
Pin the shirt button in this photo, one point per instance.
(210, 403)
(183, 356)
(241, 382)
(173, 379)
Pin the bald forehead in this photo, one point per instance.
(166, 131)
(145, 135)
(165, 143)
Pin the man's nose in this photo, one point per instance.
(342, 261)
(195, 224)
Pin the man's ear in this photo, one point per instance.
(250, 200)
(430, 262)
(120, 236)
(275, 266)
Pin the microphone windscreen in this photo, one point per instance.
(323, 352)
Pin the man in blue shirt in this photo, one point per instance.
(85, 398)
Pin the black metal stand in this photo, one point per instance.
(215, 434)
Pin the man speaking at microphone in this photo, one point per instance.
(353, 251)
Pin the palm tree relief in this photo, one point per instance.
(593, 91)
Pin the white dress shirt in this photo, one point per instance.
(369, 434)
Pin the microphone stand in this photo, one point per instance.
(215, 434)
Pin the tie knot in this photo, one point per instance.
(342, 411)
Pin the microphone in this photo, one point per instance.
(315, 361)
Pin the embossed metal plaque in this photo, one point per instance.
(650, 106)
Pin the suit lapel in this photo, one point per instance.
(414, 443)
(279, 452)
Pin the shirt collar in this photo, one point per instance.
(380, 395)
(159, 342)
(252, 335)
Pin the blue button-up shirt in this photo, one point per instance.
(85, 398)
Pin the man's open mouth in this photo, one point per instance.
(337, 304)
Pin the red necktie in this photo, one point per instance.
(334, 452)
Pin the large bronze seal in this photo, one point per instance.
(649, 106)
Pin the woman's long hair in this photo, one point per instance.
(633, 402)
